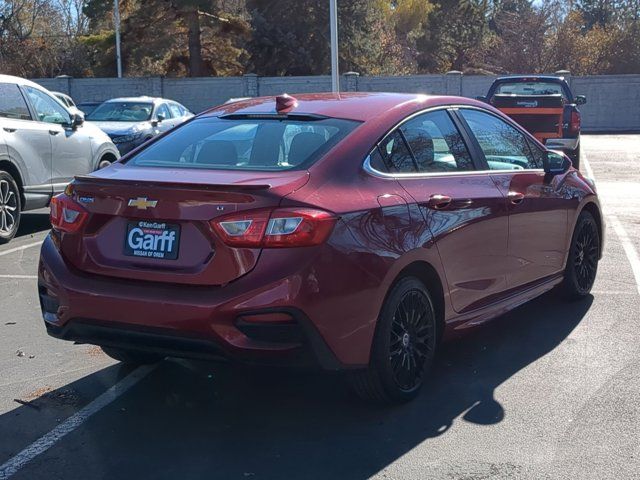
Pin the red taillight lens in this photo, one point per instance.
(574, 126)
(285, 227)
(66, 215)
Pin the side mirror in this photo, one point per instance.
(556, 163)
(581, 100)
(77, 119)
(481, 98)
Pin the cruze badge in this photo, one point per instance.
(142, 203)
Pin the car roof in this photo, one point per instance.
(19, 81)
(530, 78)
(141, 98)
(359, 106)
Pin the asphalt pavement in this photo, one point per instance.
(550, 390)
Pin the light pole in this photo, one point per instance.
(116, 21)
(333, 20)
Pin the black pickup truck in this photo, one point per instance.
(543, 105)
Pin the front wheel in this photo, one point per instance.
(403, 348)
(9, 207)
(582, 262)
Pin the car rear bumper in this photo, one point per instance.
(262, 323)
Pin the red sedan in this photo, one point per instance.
(349, 232)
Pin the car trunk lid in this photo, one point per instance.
(153, 224)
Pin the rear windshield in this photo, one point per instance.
(245, 144)
(530, 88)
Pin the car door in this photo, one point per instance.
(27, 142)
(71, 148)
(462, 207)
(538, 211)
(168, 121)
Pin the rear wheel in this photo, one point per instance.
(9, 207)
(403, 348)
(582, 263)
(132, 357)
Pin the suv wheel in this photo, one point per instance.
(582, 263)
(403, 348)
(9, 207)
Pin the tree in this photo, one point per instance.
(291, 37)
(455, 29)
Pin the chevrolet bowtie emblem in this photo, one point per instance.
(142, 203)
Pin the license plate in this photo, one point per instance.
(148, 239)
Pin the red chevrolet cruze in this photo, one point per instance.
(351, 232)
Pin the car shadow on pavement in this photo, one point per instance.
(193, 420)
(31, 223)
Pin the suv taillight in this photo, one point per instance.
(283, 227)
(66, 215)
(574, 125)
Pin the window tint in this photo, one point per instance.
(538, 154)
(163, 110)
(12, 104)
(245, 144)
(504, 147)
(47, 109)
(395, 154)
(175, 110)
(436, 143)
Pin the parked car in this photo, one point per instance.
(545, 106)
(356, 233)
(68, 102)
(132, 121)
(42, 147)
(88, 107)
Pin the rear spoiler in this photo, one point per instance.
(235, 187)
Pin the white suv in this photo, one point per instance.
(42, 147)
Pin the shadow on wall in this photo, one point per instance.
(196, 420)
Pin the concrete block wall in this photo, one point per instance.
(613, 100)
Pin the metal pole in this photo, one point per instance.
(116, 21)
(333, 20)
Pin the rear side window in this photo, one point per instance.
(504, 147)
(245, 144)
(395, 155)
(12, 104)
(436, 143)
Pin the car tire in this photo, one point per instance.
(10, 207)
(403, 348)
(582, 261)
(574, 155)
(104, 163)
(132, 357)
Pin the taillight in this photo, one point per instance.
(574, 125)
(66, 215)
(284, 227)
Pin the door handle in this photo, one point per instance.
(9, 130)
(516, 198)
(54, 132)
(439, 202)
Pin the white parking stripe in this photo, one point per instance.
(18, 249)
(625, 240)
(47, 441)
(20, 277)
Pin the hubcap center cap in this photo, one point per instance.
(406, 340)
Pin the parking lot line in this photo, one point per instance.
(48, 440)
(18, 249)
(625, 240)
(20, 277)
